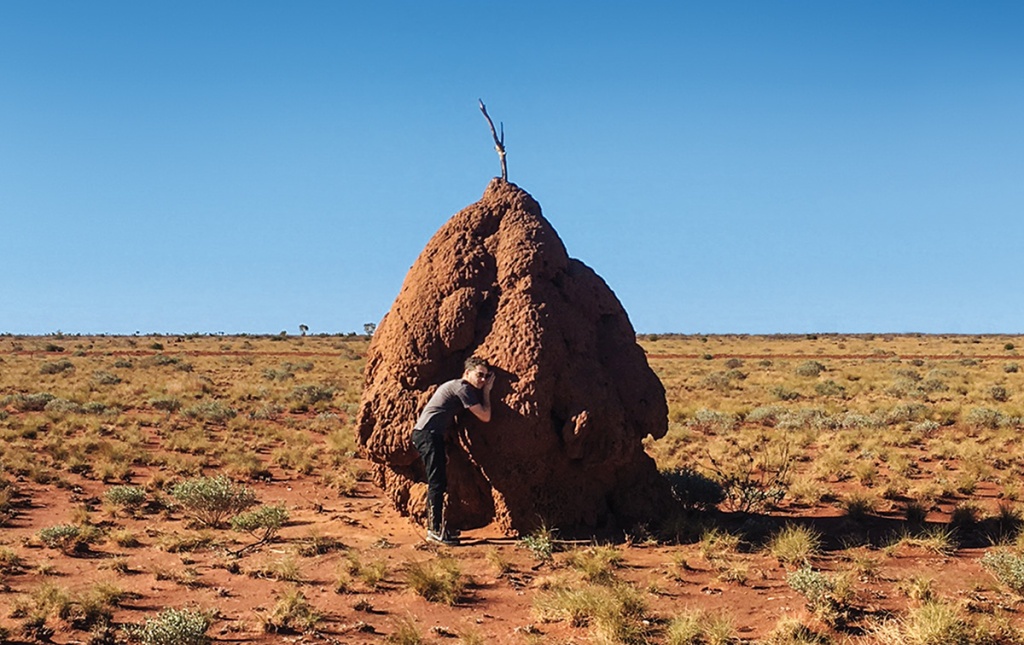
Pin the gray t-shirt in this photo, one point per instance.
(449, 399)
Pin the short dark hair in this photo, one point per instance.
(474, 362)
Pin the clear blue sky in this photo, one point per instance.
(727, 167)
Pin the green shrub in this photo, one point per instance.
(63, 406)
(693, 490)
(711, 421)
(29, 402)
(212, 411)
(56, 367)
(810, 368)
(68, 538)
(128, 497)
(766, 415)
(541, 543)
(10, 562)
(828, 597)
(754, 477)
(829, 388)
(311, 394)
(1011, 368)
(262, 522)
(174, 627)
(784, 394)
(95, 407)
(905, 413)
(986, 418)
(160, 360)
(1007, 569)
(210, 500)
(102, 377)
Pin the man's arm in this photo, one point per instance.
(482, 410)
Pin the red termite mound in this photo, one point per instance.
(574, 395)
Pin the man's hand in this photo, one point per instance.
(489, 383)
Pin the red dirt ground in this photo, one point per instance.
(497, 606)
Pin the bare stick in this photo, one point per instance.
(499, 143)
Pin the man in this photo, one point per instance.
(471, 392)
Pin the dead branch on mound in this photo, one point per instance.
(499, 142)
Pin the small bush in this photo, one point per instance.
(766, 415)
(693, 490)
(1011, 368)
(30, 402)
(784, 394)
(858, 505)
(210, 500)
(1007, 569)
(63, 406)
(130, 498)
(828, 597)
(933, 623)
(10, 562)
(697, 627)
(439, 580)
(711, 421)
(756, 476)
(541, 543)
(160, 360)
(790, 631)
(262, 522)
(998, 393)
(165, 403)
(101, 377)
(292, 613)
(95, 407)
(372, 574)
(212, 411)
(986, 418)
(174, 627)
(616, 614)
(829, 388)
(311, 394)
(597, 564)
(794, 544)
(56, 367)
(68, 538)
(810, 369)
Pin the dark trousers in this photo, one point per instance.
(431, 448)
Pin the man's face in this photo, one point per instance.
(476, 377)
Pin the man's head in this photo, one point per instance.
(476, 372)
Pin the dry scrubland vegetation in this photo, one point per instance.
(832, 489)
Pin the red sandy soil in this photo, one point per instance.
(497, 606)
